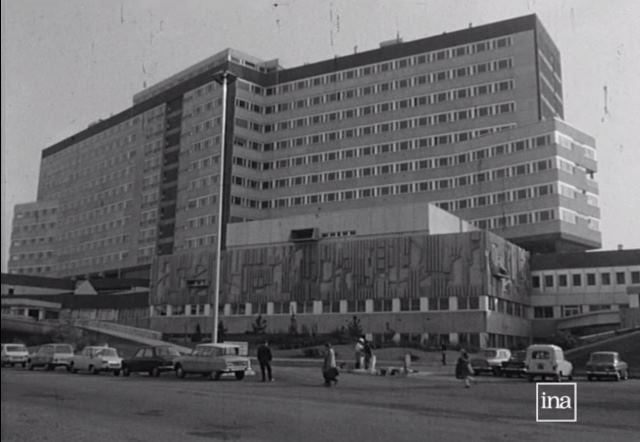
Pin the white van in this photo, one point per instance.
(545, 360)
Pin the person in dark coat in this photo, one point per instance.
(329, 366)
(264, 358)
(463, 369)
(444, 354)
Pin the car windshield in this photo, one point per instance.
(16, 348)
(65, 349)
(490, 353)
(519, 356)
(167, 351)
(109, 352)
(540, 354)
(601, 357)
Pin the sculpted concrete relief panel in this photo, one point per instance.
(183, 279)
(401, 267)
(507, 268)
(470, 264)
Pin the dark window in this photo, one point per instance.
(605, 278)
(620, 279)
(591, 279)
(548, 281)
(635, 277)
(577, 280)
(562, 280)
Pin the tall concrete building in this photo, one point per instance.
(469, 120)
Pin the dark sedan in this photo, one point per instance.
(516, 364)
(153, 360)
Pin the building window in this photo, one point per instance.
(577, 280)
(543, 312)
(535, 282)
(382, 305)
(331, 307)
(570, 310)
(605, 278)
(635, 277)
(410, 305)
(356, 306)
(548, 281)
(620, 279)
(591, 279)
(562, 280)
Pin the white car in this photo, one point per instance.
(13, 354)
(96, 359)
(545, 360)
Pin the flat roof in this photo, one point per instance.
(578, 260)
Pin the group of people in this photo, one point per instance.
(329, 367)
(364, 356)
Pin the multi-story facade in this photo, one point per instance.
(468, 120)
(35, 231)
(585, 291)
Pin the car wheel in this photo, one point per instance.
(93, 370)
(570, 377)
(180, 372)
(30, 366)
(24, 364)
(73, 369)
(558, 377)
(216, 375)
(49, 367)
(617, 376)
(589, 377)
(155, 372)
(125, 371)
(626, 375)
(116, 372)
(239, 375)
(530, 378)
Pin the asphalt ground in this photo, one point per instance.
(58, 406)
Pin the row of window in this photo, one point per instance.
(590, 279)
(547, 312)
(98, 214)
(110, 258)
(379, 88)
(94, 245)
(36, 213)
(397, 189)
(25, 228)
(514, 219)
(380, 68)
(107, 226)
(32, 255)
(31, 241)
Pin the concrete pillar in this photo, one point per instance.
(269, 308)
(368, 306)
(424, 304)
(453, 303)
(226, 310)
(248, 310)
(152, 311)
(187, 309)
(453, 338)
(293, 307)
(169, 310)
(484, 303)
(207, 309)
(557, 311)
(484, 339)
(395, 305)
(634, 300)
(615, 307)
(343, 306)
(41, 314)
(317, 307)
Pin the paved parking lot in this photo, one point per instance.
(57, 406)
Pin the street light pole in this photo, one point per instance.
(222, 78)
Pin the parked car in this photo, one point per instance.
(214, 360)
(51, 356)
(546, 360)
(13, 354)
(153, 360)
(516, 365)
(96, 359)
(606, 364)
(490, 360)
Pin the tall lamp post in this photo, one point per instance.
(223, 78)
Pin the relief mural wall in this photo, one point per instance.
(468, 264)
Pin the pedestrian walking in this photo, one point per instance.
(359, 351)
(444, 354)
(368, 355)
(264, 358)
(463, 369)
(329, 367)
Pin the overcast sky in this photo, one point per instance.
(68, 63)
